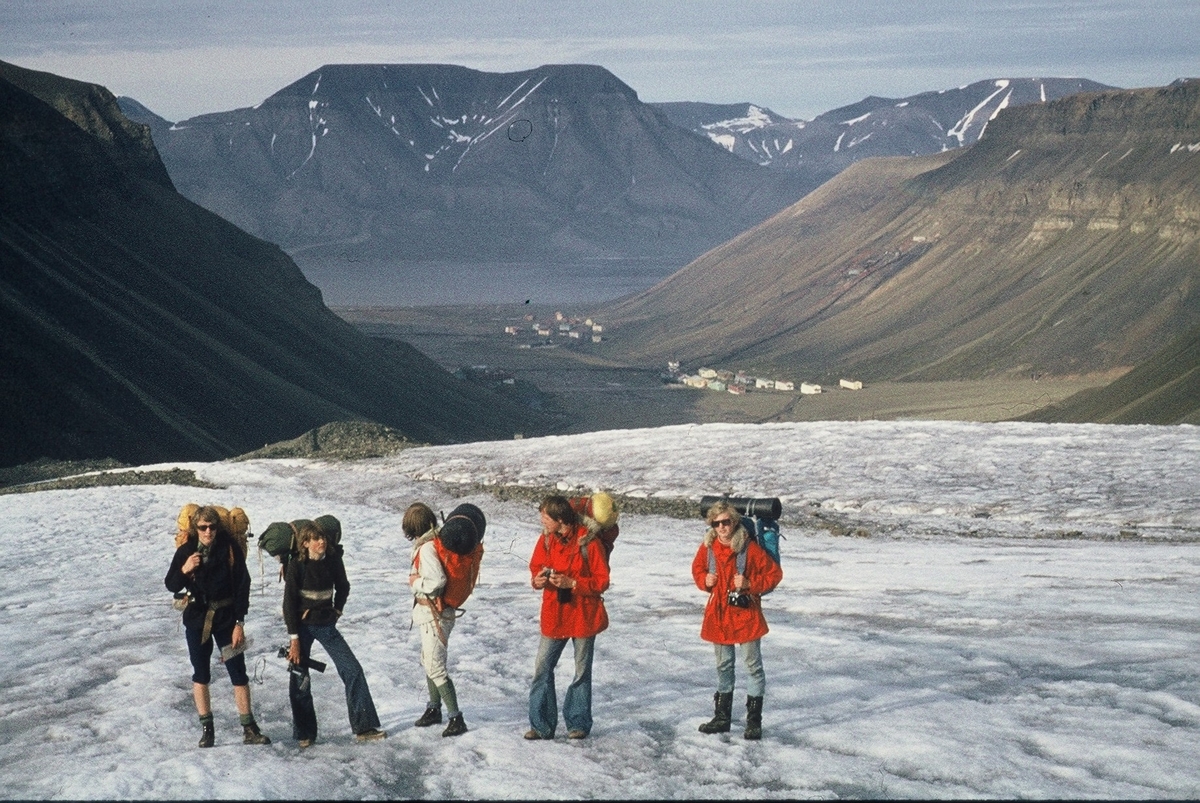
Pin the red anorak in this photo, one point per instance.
(584, 614)
(729, 624)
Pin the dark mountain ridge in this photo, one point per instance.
(1066, 241)
(137, 325)
(430, 161)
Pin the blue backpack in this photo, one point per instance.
(765, 532)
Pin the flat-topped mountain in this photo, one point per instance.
(134, 324)
(428, 161)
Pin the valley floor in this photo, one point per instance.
(594, 394)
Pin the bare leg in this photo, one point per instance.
(241, 696)
(201, 696)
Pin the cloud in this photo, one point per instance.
(800, 57)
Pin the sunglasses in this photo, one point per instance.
(723, 523)
(206, 526)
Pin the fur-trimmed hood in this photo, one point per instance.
(739, 538)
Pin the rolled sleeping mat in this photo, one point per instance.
(463, 529)
(767, 507)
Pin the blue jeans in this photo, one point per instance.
(359, 704)
(543, 703)
(752, 654)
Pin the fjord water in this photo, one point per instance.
(346, 283)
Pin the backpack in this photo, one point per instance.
(459, 547)
(235, 520)
(281, 538)
(599, 513)
(764, 532)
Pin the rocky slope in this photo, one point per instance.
(138, 326)
(1066, 241)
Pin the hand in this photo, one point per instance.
(412, 578)
(739, 582)
(539, 581)
(294, 652)
(710, 580)
(239, 636)
(560, 580)
(191, 563)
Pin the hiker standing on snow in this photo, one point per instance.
(568, 566)
(314, 591)
(734, 611)
(212, 569)
(441, 580)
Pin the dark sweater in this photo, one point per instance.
(314, 592)
(213, 581)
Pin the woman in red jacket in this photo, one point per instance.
(568, 567)
(735, 572)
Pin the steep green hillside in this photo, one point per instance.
(1163, 390)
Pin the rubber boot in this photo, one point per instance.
(753, 718)
(723, 703)
(207, 737)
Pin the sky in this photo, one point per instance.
(800, 58)
(1012, 615)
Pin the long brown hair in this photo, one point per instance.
(418, 520)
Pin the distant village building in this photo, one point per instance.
(596, 338)
(589, 322)
(673, 366)
(768, 384)
(558, 316)
(695, 381)
(810, 389)
(851, 384)
(737, 390)
(574, 334)
(510, 330)
(597, 328)
(716, 384)
(707, 373)
(785, 384)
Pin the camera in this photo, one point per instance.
(768, 507)
(738, 599)
(305, 662)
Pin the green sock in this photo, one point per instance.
(449, 697)
(246, 719)
(206, 719)
(435, 696)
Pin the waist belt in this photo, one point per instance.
(208, 617)
(317, 595)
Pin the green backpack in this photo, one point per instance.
(280, 538)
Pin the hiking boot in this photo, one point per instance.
(534, 736)
(723, 703)
(207, 736)
(372, 735)
(753, 718)
(432, 716)
(576, 734)
(456, 726)
(252, 735)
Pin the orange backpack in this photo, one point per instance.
(235, 520)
